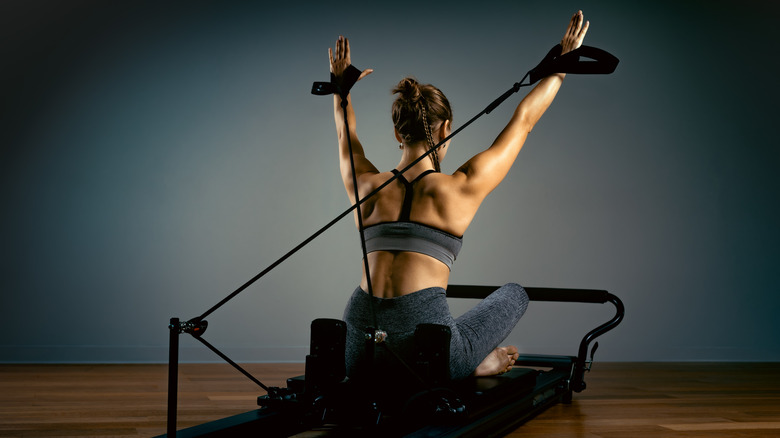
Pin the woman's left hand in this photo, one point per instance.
(575, 33)
(341, 60)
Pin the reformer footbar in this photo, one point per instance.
(286, 410)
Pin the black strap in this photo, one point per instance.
(420, 176)
(406, 209)
(602, 62)
(340, 86)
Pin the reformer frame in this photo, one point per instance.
(323, 399)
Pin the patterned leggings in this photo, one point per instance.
(474, 334)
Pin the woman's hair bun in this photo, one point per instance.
(409, 89)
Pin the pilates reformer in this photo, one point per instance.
(325, 400)
(421, 400)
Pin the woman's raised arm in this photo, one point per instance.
(339, 61)
(487, 169)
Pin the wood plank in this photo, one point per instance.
(724, 425)
(622, 399)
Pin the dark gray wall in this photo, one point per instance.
(155, 156)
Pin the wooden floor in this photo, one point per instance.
(622, 400)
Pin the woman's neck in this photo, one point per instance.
(410, 155)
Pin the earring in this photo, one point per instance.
(401, 146)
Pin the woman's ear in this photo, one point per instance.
(444, 129)
(397, 136)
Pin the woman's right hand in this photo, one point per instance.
(575, 33)
(341, 60)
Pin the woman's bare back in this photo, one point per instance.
(437, 203)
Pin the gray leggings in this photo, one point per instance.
(474, 334)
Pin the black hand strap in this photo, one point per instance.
(543, 69)
(602, 62)
(340, 86)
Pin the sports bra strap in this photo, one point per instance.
(406, 209)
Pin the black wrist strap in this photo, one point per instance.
(602, 62)
(340, 86)
(543, 69)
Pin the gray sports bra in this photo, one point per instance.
(405, 235)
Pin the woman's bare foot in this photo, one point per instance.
(498, 361)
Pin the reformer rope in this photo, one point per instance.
(361, 228)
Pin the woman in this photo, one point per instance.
(413, 226)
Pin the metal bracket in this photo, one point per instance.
(196, 327)
(589, 363)
(379, 336)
